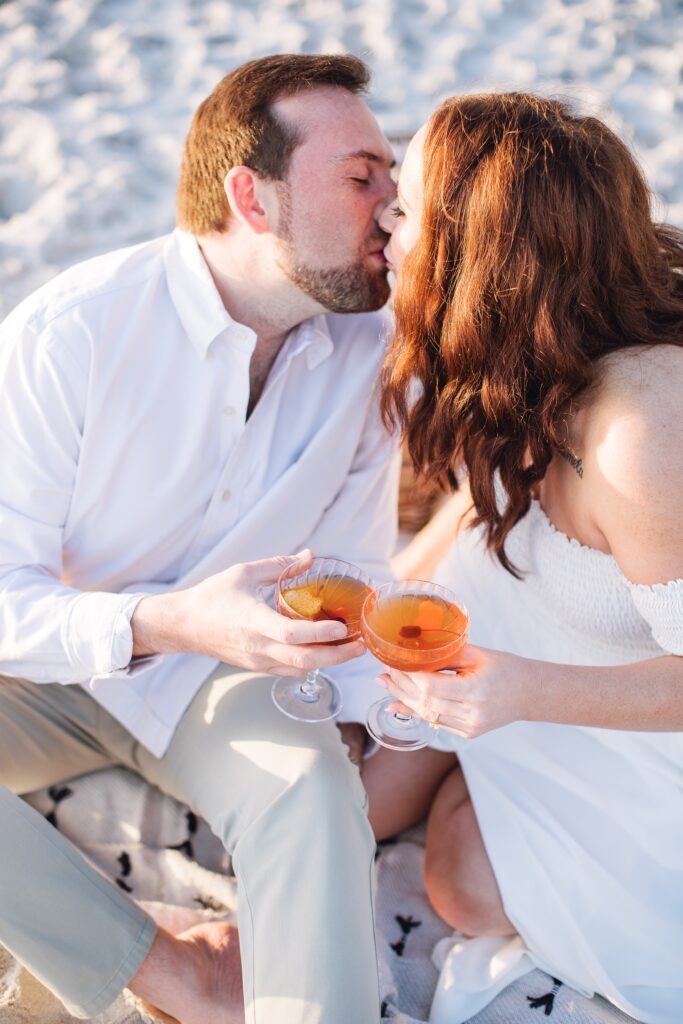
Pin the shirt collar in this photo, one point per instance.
(204, 317)
(316, 339)
(195, 296)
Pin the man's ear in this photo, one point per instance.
(244, 190)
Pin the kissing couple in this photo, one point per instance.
(187, 418)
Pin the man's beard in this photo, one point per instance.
(350, 289)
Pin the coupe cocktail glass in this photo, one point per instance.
(414, 626)
(318, 589)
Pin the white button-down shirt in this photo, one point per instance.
(129, 467)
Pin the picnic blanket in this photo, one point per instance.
(161, 854)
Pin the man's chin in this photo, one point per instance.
(353, 289)
(371, 296)
(381, 298)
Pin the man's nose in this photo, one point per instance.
(388, 196)
(385, 220)
(389, 191)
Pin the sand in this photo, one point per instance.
(96, 97)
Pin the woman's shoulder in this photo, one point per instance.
(637, 399)
(640, 373)
(634, 450)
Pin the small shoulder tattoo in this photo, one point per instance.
(575, 463)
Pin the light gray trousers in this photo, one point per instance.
(282, 796)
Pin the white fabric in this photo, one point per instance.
(583, 826)
(128, 467)
(661, 605)
(471, 974)
(160, 853)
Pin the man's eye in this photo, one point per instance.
(396, 211)
(361, 181)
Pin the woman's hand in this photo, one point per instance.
(482, 690)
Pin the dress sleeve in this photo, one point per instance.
(661, 605)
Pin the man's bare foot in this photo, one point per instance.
(142, 1006)
(176, 919)
(193, 977)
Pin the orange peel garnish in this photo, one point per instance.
(430, 615)
(303, 602)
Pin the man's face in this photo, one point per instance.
(339, 181)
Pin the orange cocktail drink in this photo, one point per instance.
(318, 589)
(322, 597)
(414, 626)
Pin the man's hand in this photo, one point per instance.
(226, 617)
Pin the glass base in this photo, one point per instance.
(307, 702)
(394, 730)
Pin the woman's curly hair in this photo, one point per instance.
(537, 256)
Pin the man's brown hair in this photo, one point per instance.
(537, 257)
(235, 125)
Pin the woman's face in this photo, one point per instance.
(402, 217)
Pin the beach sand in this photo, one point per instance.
(96, 97)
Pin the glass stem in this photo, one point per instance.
(309, 686)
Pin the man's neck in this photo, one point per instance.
(254, 292)
(259, 296)
(262, 360)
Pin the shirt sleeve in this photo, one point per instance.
(661, 605)
(49, 632)
(361, 526)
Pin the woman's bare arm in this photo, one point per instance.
(419, 559)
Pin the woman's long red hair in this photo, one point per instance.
(537, 256)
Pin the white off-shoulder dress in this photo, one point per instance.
(583, 826)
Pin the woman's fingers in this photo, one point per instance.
(426, 685)
(448, 722)
(399, 683)
(399, 708)
(446, 710)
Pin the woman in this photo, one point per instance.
(541, 312)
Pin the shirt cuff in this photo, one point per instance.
(97, 637)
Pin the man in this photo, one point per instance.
(176, 416)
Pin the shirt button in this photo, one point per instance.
(229, 410)
(227, 495)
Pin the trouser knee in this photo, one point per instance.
(329, 783)
(323, 803)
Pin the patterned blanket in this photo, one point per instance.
(161, 853)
